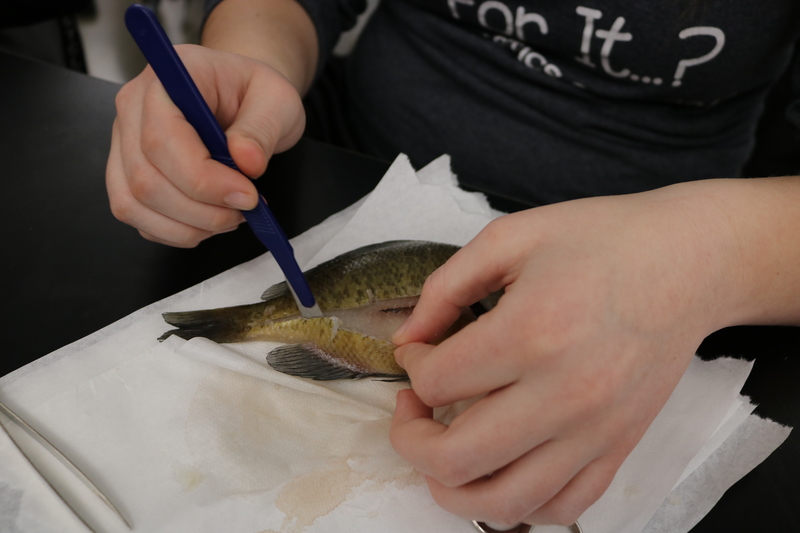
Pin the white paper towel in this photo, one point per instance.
(195, 436)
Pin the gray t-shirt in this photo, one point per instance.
(549, 100)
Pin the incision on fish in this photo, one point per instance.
(364, 294)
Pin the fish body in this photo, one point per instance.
(364, 294)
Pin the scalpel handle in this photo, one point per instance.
(159, 52)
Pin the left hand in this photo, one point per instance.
(606, 301)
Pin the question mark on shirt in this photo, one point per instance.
(683, 64)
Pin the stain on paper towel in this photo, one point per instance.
(246, 434)
(315, 494)
(630, 492)
(189, 477)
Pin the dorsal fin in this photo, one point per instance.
(279, 289)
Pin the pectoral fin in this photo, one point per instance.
(307, 360)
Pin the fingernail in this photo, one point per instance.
(398, 334)
(240, 200)
(398, 357)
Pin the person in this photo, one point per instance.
(627, 125)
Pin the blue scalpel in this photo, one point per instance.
(159, 52)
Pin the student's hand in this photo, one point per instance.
(606, 301)
(160, 177)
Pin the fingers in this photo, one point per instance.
(579, 494)
(471, 274)
(161, 178)
(267, 122)
(475, 444)
(566, 372)
(552, 482)
(468, 364)
(174, 150)
(495, 431)
(142, 196)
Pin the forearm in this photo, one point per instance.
(754, 225)
(277, 32)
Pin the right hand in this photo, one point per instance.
(160, 177)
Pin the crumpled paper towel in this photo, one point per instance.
(195, 436)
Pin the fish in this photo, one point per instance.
(364, 295)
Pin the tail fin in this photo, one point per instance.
(229, 324)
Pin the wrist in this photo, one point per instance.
(746, 245)
(278, 33)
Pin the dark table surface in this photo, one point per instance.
(69, 268)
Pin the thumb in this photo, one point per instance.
(472, 273)
(270, 119)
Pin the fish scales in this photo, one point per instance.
(385, 271)
(360, 353)
(355, 291)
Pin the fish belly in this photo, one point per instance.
(321, 348)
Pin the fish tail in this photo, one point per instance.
(229, 324)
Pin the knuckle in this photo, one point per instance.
(597, 485)
(449, 474)
(189, 238)
(199, 187)
(151, 140)
(559, 513)
(191, 243)
(435, 285)
(496, 230)
(563, 517)
(221, 219)
(142, 185)
(398, 440)
(591, 395)
(448, 467)
(122, 208)
(153, 238)
(568, 507)
(433, 282)
(124, 97)
(552, 335)
(428, 387)
(193, 240)
(282, 116)
(183, 241)
(283, 91)
(130, 95)
(265, 132)
(454, 476)
(590, 497)
(507, 512)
